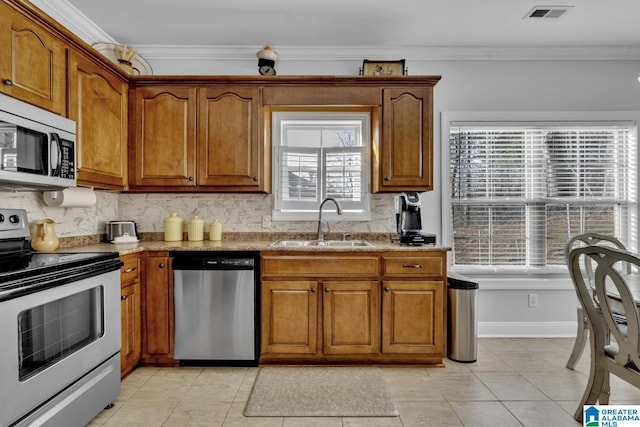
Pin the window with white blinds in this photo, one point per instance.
(318, 155)
(518, 191)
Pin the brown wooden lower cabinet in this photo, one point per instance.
(351, 317)
(323, 315)
(289, 317)
(130, 309)
(157, 328)
(413, 317)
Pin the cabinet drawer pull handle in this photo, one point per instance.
(130, 270)
(327, 290)
(313, 290)
(387, 289)
(161, 265)
(411, 265)
(7, 82)
(123, 297)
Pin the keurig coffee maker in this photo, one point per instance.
(409, 222)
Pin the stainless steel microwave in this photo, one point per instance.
(37, 147)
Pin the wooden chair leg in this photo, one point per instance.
(581, 340)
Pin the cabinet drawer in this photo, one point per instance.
(320, 266)
(426, 265)
(130, 271)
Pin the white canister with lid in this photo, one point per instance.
(195, 229)
(215, 230)
(173, 228)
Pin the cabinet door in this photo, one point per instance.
(229, 139)
(406, 159)
(413, 317)
(163, 120)
(131, 348)
(289, 317)
(32, 62)
(351, 314)
(157, 339)
(98, 104)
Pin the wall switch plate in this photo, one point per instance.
(266, 221)
(533, 300)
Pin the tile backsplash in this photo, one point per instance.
(237, 212)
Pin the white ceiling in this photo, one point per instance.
(366, 24)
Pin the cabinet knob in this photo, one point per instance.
(327, 290)
(387, 289)
(7, 82)
(161, 265)
(387, 178)
(255, 178)
(123, 297)
(313, 290)
(190, 178)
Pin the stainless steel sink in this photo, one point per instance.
(322, 243)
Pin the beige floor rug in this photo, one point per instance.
(320, 392)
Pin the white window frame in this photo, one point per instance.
(307, 212)
(501, 116)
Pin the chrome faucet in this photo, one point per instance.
(328, 199)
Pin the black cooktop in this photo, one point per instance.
(35, 263)
(31, 272)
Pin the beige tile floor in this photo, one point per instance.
(515, 382)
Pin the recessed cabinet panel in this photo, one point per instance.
(228, 138)
(413, 317)
(289, 317)
(32, 62)
(406, 154)
(98, 104)
(164, 136)
(351, 317)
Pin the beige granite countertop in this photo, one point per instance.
(238, 243)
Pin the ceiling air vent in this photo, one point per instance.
(547, 12)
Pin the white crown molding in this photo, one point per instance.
(74, 20)
(349, 53)
(70, 17)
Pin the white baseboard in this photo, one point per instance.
(527, 329)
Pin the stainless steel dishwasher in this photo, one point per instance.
(216, 307)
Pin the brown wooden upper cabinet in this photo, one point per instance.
(32, 62)
(98, 104)
(204, 139)
(230, 152)
(406, 146)
(162, 147)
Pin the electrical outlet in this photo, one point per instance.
(266, 221)
(533, 300)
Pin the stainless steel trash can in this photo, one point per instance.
(462, 341)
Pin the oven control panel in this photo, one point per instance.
(13, 224)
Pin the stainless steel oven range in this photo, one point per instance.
(60, 331)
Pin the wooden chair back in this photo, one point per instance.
(622, 357)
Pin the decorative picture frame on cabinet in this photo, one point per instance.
(383, 68)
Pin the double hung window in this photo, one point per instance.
(519, 190)
(320, 154)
